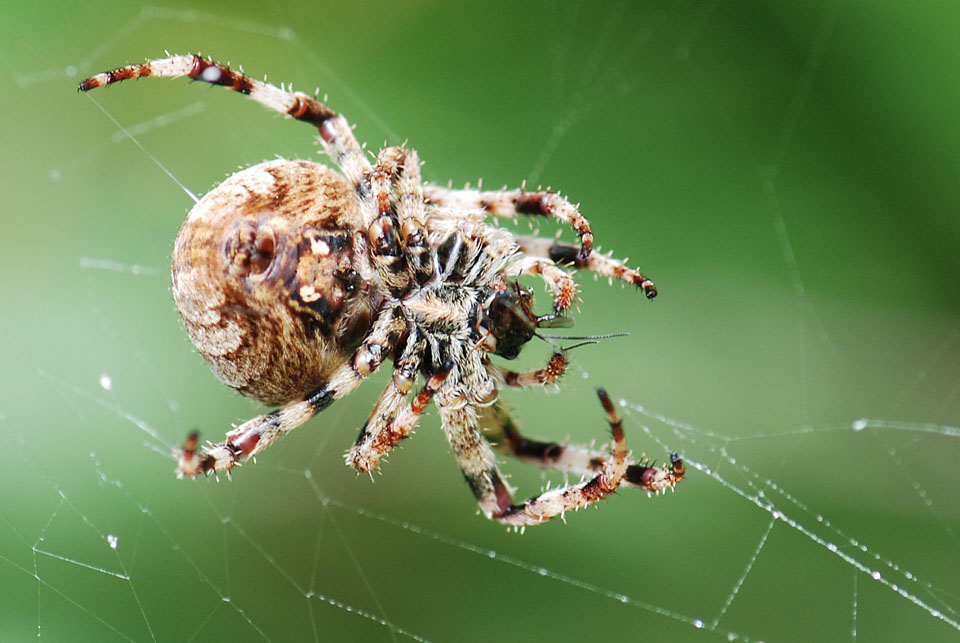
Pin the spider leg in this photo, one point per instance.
(398, 168)
(336, 134)
(392, 200)
(476, 461)
(387, 427)
(256, 434)
(503, 433)
(412, 218)
(515, 202)
(566, 254)
(539, 377)
(475, 458)
(560, 282)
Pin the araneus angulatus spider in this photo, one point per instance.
(295, 282)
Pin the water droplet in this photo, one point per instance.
(106, 382)
(698, 624)
(112, 540)
(832, 547)
(860, 424)
(875, 575)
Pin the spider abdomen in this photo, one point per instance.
(264, 281)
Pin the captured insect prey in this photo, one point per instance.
(296, 282)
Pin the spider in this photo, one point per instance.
(296, 282)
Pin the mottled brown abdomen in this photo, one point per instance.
(263, 278)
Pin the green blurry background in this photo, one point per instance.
(786, 172)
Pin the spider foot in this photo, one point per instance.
(215, 458)
(655, 479)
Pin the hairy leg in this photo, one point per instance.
(502, 431)
(256, 434)
(335, 132)
(512, 203)
(603, 265)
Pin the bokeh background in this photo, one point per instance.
(786, 172)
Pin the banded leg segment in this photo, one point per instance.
(503, 433)
(335, 132)
(387, 427)
(392, 199)
(545, 376)
(610, 474)
(566, 254)
(560, 282)
(516, 202)
(494, 496)
(256, 434)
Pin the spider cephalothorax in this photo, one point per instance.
(296, 282)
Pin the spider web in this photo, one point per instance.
(785, 175)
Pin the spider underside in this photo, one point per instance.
(296, 282)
